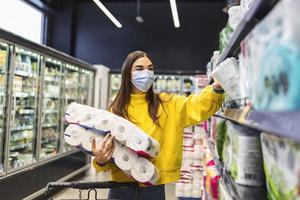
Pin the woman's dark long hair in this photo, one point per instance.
(122, 100)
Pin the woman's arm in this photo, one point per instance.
(198, 108)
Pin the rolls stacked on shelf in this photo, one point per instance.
(190, 184)
(103, 121)
(127, 160)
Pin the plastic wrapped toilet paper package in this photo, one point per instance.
(282, 167)
(227, 74)
(124, 131)
(127, 160)
(273, 56)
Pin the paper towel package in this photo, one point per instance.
(103, 121)
(126, 159)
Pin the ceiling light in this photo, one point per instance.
(175, 13)
(108, 13)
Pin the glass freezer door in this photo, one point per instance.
(71, 89)
(86, 87)
(50, 119)
(115, 82)
(24, 108)
(4, 53)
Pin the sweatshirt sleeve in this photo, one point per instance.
(108, 167)
(197, 108)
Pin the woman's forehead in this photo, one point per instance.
(143, 61)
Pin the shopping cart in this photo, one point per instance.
(90, 187)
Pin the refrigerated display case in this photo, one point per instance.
(115, 84)
(188, 85)
(71, 93)
(167, 83)
(5, 49)
(22, 138)
(86, 87)
(74, 92)
(51, 107)
(36, 84)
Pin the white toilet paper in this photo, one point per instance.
(125, 159)
(179, 192)
(105, 123)
(188, 190)
(145, 172)
(123, 130)
(143, 145)
(73, 135)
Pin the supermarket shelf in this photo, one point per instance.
(20, 146)
(23, 128)
(26, 112)
(284, 124)
(51, 96)
(25, 74)
(50, 79)
(257, 12)
(23, 94)
(46, 141)
(51, 111)
(49, 125)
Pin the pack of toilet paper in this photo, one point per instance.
(133, 165)
(102, 121)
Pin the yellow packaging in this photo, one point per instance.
(2, 59)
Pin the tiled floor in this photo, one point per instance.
(69, 194)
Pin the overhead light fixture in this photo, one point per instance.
(175, 13)
(108, 13)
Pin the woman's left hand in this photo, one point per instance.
(217, 86)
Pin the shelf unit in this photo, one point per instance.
(269, 122)
(284, 124)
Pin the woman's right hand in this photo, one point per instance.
(104, 151)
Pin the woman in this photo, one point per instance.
(162, 116)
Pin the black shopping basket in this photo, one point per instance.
(90, 187)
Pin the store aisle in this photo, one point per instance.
(102, 193)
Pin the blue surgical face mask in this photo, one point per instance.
(142, 79)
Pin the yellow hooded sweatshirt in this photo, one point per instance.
(177, 113)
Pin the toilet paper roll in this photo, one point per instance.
(198, 155)
(122, 130)
(118, 148)
(145, 172)
(143, 145)
(188, 190)
(87, 140)
(125, 158)
(74, 134)
(197, 194)
(197, 162)
(188, 142)
(179, 192)
(105, 123)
